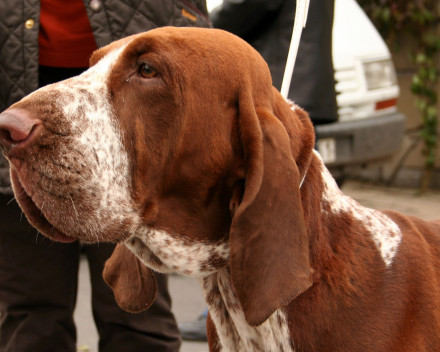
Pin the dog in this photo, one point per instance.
(175, 145)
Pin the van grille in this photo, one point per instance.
(346, 81)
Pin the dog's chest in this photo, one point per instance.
(235, 334)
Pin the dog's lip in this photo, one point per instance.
(34, 214)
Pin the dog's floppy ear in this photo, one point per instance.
(133, 284)
(270, 263)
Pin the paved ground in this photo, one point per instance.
(187, 297)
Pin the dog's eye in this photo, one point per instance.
(146, 71)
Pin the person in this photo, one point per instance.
(42, 42)
(268, 26)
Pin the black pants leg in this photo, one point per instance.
(38, 285)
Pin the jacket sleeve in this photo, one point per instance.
(242, 16)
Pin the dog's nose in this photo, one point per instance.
(17, 127)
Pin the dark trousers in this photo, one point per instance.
(38, 287)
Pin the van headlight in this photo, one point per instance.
(379, 74)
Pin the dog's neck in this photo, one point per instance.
(327, 210)
(235, 334)
(324, 206)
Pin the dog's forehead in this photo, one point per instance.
(117, 45)
(192, 37)
(197, 47)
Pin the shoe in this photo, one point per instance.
(194, 330)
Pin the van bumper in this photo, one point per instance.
(361, 141)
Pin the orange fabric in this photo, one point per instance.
(65, 38)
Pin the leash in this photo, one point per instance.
(302, 9)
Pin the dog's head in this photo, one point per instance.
(174, 144)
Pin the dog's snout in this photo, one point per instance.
(17, 127)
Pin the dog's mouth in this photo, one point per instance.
(34, 214)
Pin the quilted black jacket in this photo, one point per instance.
(110, 20)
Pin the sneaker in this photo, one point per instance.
(194, 330)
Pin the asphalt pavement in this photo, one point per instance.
(187, 297)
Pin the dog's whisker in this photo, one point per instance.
(10, 201)
(74, 208)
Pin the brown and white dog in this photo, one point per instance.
(175, 145)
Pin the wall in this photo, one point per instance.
(413, 165)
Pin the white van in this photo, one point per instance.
(369, 128)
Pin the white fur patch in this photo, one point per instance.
(90, 159)
(235, 334)
(166, 253)
(384, 232)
